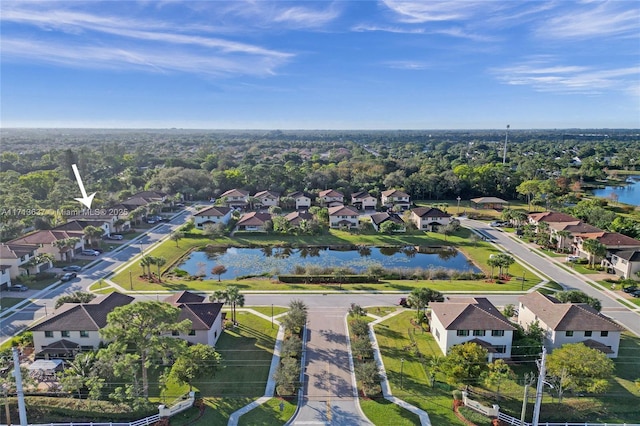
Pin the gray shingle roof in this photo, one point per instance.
(475, 313)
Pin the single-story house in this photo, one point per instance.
(394, 197)
(429, 218)
(331, 198)
(212, 215)
(75, 326)
(206, 317)
(475, 319)
(253, 221)
(555, 217)
(267, 198)
(343, 217)
(236, 198)
(301, 200)
(489, 203)
(378, 219)
(294, 218)
(569, 323)
(362, 200)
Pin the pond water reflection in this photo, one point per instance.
(283, 260)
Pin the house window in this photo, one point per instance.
(604, 333)
(437, 334)
(215, 334)
(497, 333)
(84, 333)
(501, 349)
(588, 333)
(48, 334)
(175, 333)
(569, 333)
(462, 332)
(65, 334)
(478, 332)
(192, 333)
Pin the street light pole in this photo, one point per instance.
(523, 274)
(458, 205)
(130, 280)
(401, 373)
(272, 315)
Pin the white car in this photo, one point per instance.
(90, 253)
(115, 237)
(572, 258)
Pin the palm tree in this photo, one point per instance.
(159, 262)
(146, 262)
(93, 232)
(493, 262)
(595, 249)
(562, 237)
(419, 298)
(230, 295)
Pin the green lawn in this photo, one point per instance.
(267, 310)
(408, 379)
(247, 351)
(269, 414)
(387, 412)
(7, 302)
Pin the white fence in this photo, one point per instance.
(176, 408)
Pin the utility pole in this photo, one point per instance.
(528, 381)
(539, 387)
(22, 409)
(504, 153)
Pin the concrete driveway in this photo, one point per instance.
(329, 393)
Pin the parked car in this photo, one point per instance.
(403, 302)
(68, 276)
(18, 287)
(635, 293)
(72, 268)
(630, 289)
(115, 237)
(90, 253)
(572, 258)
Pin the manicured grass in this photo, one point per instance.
(269, 414)
(246, 351)
(381, 311)
(382, 412)
(408, 379)
(7, 302)
(266, 310)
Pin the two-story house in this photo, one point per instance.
(343, 217)
(569, 323)
(362, 200)
(236, 198)
(15, 260)
(302, 201)
(47, 242)
(473, 319)
(212, 215)
(429, 218)
(206, 317)
(625, 263)
(267, 199)
(74, 327)
(295, 218)
(331, 198)
(393, 198)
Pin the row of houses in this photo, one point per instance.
(570, 233)
(362, 200)
(75, 327)
(477, 320)
(22, 255)
(340, 216)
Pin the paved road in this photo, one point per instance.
(610, 307)
(108, 262)
(329, 395)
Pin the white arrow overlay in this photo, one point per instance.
(85, 200)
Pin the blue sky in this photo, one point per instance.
(321, 65)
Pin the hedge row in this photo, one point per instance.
(327, 279)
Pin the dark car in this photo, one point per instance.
(630, 289)
(72, 268)
(636, 293)
(18, 287)
(68, 276)
(403, 302)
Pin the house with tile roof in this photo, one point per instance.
(331, 198)
(301, 200)
(236, 198)
(473, 319)
(569, 323)
(489, 203)
(625, 263)
(294, 218)
(377, 219)
(15, 259)
(395, 198)
(253, 221)
(573, 229)
(362, 200)
(343, 217)
(429, 218)
(610, 240)
(267, 199)
(46, 240)
(549, 216)
(212, 215)
(206, 317)
(75, 326)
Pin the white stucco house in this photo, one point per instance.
(625, 263)
(474, 319)
(393, 197)
(331, 198)
(267, 199)
(362, 200)
(206, 317)
(429, 218)
(212, 215)
(302, 201)
(236, 198)
(569, 323)
(377, 219)
(343, 217)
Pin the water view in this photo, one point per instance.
(628, 194)
(279, 260)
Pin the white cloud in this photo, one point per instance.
(430, 11)
(306, 17)
(570, 79)
(407, 65)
